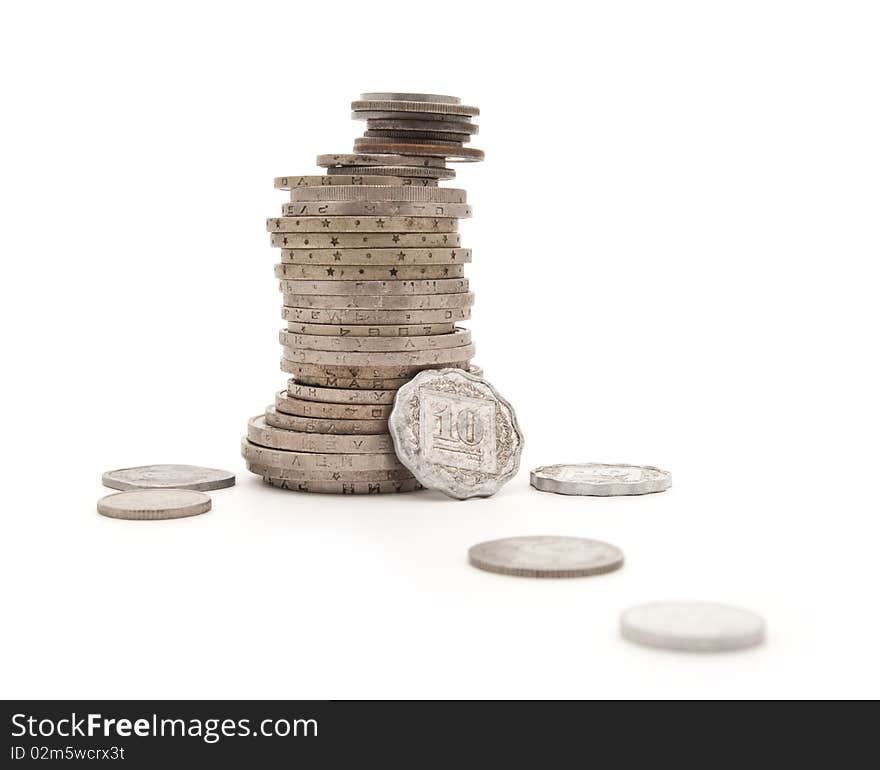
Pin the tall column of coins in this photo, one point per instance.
(373, 286)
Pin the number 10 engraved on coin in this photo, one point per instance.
(457, 430)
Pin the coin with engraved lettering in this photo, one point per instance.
(374, 344)
(154, 504)
(281, 458)
(339, 395)
(403, 193)
(364, 224)
(289, 404)
(346, 487)
(275, 418)
(360, 377)
(324, 180)
(600, 479)
(410, 172)
(456, 433)
(351, 330)
(546, 556)
(373, 317)
(433, 150)
(387, 257)
(168, 477)
(379, 359)
(692, 626)
(377, 209)
(328, 474)
(341, 160)
(363, 241)
(263, 434)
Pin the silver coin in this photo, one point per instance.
(339, 395)
(456, 433)
(375, 359)
(422, 126)
(168, 477)
(371, 159)
(325, 180)
(362, 224)
(390, 288)
(280, 458)
(402, 343)
(431, 150)
(416, 107)
(262, 434)
(397, 115)
(359, 377)
(432, 137)
(346, 487)
(275, 418)
(153, 504)
(600, 479)
(692, 626)
(320, 474)
(340, 272)
(288, 404)
(546, 556)
(393, 96)
(398, 330)
(410, 172)
(378, 317)
(336, 241)
(389, 257)
(451, 300)
(377, 209)
(404, 193)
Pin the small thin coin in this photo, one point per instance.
(398, 115)
(330, 461)
(692, 626)
(449, 152)
(320, 474)
(339, 395)
(340, 301)
(546, 556)
(324, 180)
(375, 359)
(601, 479)
(407, 126)
(395, 96)
(346, 487)
(410, 172)
(390, 288)
(361, 378)
(341, 160)
(168, 477)
(377, 209)
(433, 137)
(405, 343)
(299, 407)
(337, 241)
(153, 504)
(410, 193)
(263, 434)
(390, 257)
(275, 418)
(361, 224)
(340, 272)
(370, 317)
(396, 105)
(399, 330)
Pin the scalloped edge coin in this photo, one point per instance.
(168, 476)
(614, 482)
(688, 626)
(154, 504)
(466, 479)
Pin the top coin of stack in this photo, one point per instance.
(372, 278)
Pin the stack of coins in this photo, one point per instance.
(372, 276)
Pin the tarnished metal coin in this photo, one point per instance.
(341, 160)
(328, 461)
(324, 180)
(345, 487)
(406, 126)
(360, 240)
(394, 96)
(339, 395)
(456, 433)
(377, 209)
(376, 412)
(410, 172)
(168, 477)
(277, 418)
(449, 152)
(411, 193)
(392, 287)
(692, 626)
(375, 344)
(395, 105)
(546, 556)
(425, 223)
(600, 479)
(264, 435)
(377, 317)
(400, 330)
(340, 272)
(152, 504)
(377, 257)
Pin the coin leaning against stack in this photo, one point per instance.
(372, 275)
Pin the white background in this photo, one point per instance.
(675, 259)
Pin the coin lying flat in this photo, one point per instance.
(409, 126)
(339, 395)
(600, 479)
(319, 474)
(404, 343)
(377, 359)
(373, 317)
(399, 330)
(168, 477)
(411, 172)
(346, 487)
(388, 257)
(449, 152)
(275, 418)
(323, 180)
(152, 504)
(376, 209)
(418, 107)
(295, 223)
(369, 159)
(456, 433)
(422, 137)
(391, 287)
(340, 272)
(403, 193)
(398, 115)
(388, 301)
(262, 434)
(280, 458)
(288, 404)
(388, 96)
(692, 626)
(361, 378)
(546, 556)
(380, 240)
